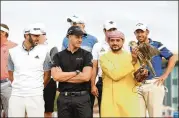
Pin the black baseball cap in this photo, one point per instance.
(75, 30)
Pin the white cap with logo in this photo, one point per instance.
(26, 30)
(36, 29)
(141, 26)
(109, 25)
(42, 27)
(75, 19)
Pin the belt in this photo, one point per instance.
(4, 80)
(80, 93)
(99, 80)
(151, 81)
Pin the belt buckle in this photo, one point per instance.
(66, 94)
(72, 93)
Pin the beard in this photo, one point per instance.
(33, 43)
(115, 49)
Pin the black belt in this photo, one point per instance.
(80, 93)
(4, 80)
(100, 78)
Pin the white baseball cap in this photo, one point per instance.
(26, 30)
(75, 19)
(109, 25)
(35, 29)
(141, 26)
(42, 27)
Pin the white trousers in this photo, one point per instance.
(152, 97)
(33, 106)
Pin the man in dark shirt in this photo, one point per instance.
(72, 69)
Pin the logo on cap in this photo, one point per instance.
(139, 24)
(75, 16)
(111, 22)
(36, 29)
(77, 29)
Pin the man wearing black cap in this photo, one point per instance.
(72, 69)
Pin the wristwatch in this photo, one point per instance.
(77, 72)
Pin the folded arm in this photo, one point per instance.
(83, 76)
(60, 76)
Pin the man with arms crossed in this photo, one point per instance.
(72, 69)
(99, 49)
(5, 82)
(88, 41)
(28, 71)
(153, 90)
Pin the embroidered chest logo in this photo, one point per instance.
(37, 57)
(77, 59)
(102, 50)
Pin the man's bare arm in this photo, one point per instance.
(11, 77)
(94, 72)
(170, 66)
(83, 76)
(47, 77)
(60, 76)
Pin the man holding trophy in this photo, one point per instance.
(150, 54)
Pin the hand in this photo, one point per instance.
(160, 80)
(94, 90)
(141, 74)
(135, 52)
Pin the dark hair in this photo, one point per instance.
(5, 26)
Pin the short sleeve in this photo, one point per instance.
(53, 51)
(88, 60)
(55, 60)
(10, 63)
(65, 43)
(96, 40)
(47, 63)
(95, 52)
(164, 52)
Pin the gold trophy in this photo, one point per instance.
(146, 52)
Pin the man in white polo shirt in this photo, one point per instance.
(29, 66)
(98, 50)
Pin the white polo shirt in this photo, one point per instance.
(28, 69)
(99, 49)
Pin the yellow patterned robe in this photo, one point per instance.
(118, 98)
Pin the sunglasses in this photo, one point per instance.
(74, 23)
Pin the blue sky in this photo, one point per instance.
(160, 16)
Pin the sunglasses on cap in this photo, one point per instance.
(74, 23)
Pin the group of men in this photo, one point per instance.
(31, 70)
